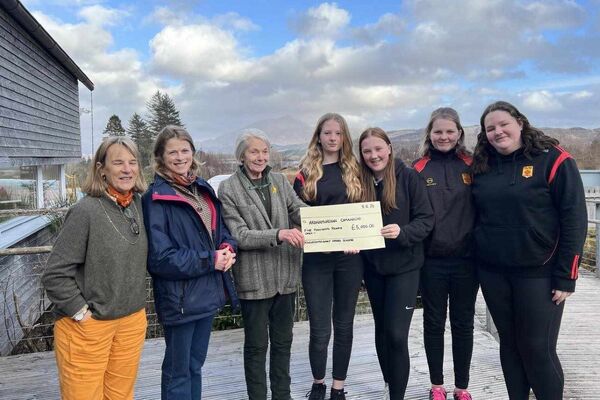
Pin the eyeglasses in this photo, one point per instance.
(133, 225)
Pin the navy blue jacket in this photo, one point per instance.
(181, 255)
(531, 215)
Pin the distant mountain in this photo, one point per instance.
(282, 131)
(290, 136)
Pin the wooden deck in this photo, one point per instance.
(34, 376)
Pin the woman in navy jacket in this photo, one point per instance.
(530, 230)
(392, 273)
(190, 251)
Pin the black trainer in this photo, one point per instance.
(337, 394)
(317, 392)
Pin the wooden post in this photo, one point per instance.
(597, 217)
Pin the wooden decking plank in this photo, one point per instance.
(33, 376)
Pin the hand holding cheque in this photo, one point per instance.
(344, 227)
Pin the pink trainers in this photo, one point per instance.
(462, 395)
(438, 393)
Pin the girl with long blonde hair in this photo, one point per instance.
(330, 175)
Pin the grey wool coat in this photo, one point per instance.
(263, 266)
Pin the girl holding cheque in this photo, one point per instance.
(392, 273)
(330, 175)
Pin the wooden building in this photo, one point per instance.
(39, 135)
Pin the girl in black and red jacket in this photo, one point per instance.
(529, 235)
(392, 273)
(448, 275)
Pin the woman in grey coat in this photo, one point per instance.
(259, 207)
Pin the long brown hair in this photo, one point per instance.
(311, 163)
(170, 132)
(534, 140)
(94, 184)
(388, 199)
(449, 114)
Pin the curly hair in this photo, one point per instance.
(534, 140)
(451, 115)
(311, 163)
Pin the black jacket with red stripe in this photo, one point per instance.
(448, 180)
(531, 213)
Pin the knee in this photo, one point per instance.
(319, 338)
(397, 339)
(434, 326)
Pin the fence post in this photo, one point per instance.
(597, 217)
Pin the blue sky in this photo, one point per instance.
(228, 64)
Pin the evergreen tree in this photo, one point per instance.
(139, 132)
(114, 127)
(161, 112)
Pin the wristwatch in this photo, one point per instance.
(80, 314)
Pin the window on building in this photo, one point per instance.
(51, 185)
(17, 188)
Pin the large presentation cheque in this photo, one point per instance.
(342, 227)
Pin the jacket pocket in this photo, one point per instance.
(245, 273)
(517, 246)
(294, 269)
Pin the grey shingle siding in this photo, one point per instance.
(39, 99)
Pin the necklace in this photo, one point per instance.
(130, 220)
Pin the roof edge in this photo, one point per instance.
(18, 11)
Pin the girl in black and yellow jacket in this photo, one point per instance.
(529, 235)
(448, 275)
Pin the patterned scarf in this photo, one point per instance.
(122, 199)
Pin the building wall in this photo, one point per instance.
(39, 103)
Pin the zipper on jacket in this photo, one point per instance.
(182, 297)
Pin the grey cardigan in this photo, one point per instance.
(263, 266)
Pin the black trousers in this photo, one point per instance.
(393, 299)
(454, 282)
(269, 320)
(331, 282)
(528, 323)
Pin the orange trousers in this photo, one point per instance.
(98, 360)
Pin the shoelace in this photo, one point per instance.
(438, 394)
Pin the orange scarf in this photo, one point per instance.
(122, 199)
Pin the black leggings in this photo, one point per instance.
(393, 299)
(528, 323)
(331, 280)
(456, 283)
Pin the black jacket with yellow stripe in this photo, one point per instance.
(448, 181)
(531, 213)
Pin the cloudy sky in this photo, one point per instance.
(378, 63)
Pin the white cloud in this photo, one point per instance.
(236, 22)
(198, 51)
(542, 101)
(98, 15)
(326, 20)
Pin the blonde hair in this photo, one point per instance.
(388, 198)
(94, 184)
(167, 133)
(311, 163)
